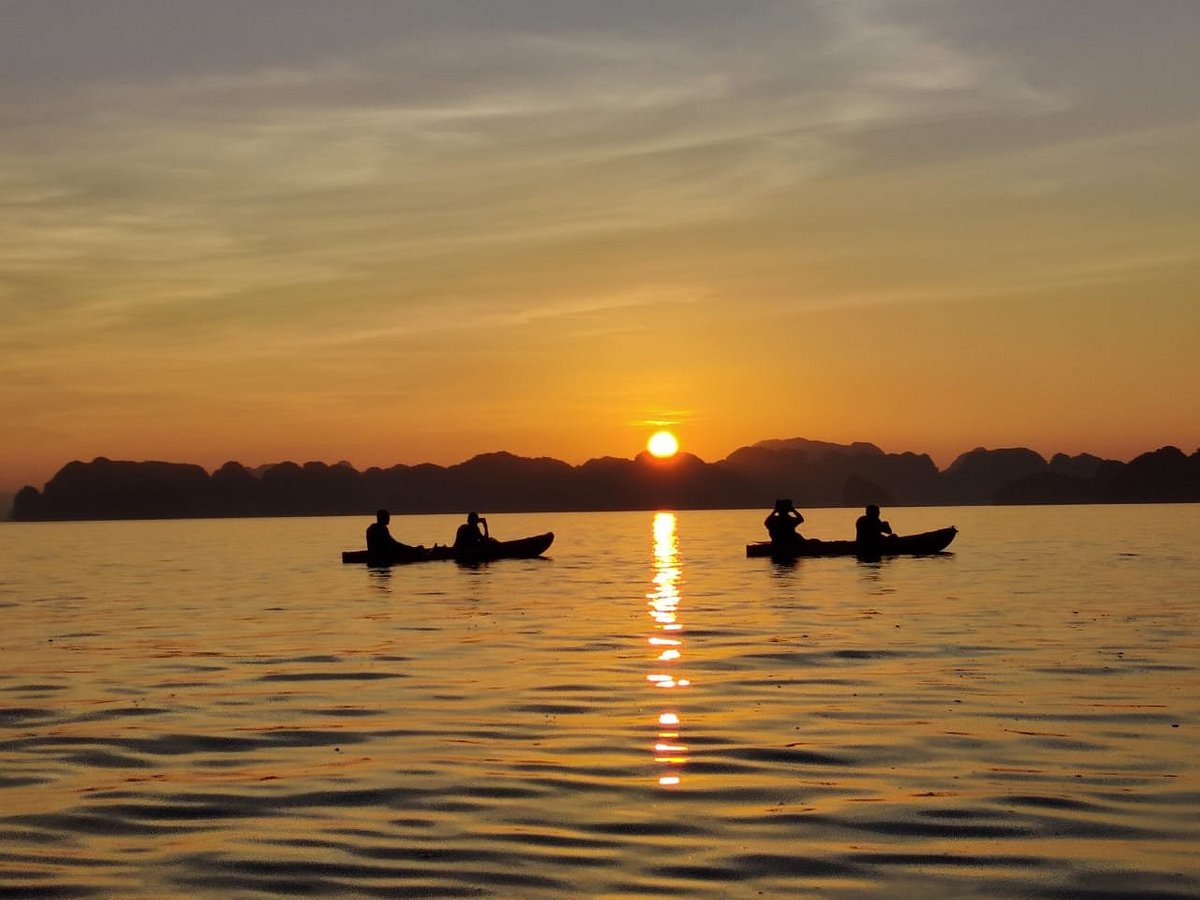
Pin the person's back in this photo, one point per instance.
(469, 535)
(869, 529)
(781, 529)
(781, 524)
(380, 541)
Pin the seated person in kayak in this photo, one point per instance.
(781, 525)
(869, 530)
(470, 534)
(380, 541)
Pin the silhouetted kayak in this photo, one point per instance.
(522, 548)
(909, 544)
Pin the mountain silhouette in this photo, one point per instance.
(812, 473)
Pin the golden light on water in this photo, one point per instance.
(666, 642)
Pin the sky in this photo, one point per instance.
(404, 232)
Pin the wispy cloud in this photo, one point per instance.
(228, 184)
(424, 174)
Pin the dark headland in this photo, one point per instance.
(812, 473)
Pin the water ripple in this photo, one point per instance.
(646, 715)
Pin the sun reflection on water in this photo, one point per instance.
(666, 646)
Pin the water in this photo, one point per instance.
(222, 709)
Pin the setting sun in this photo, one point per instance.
(662, 444)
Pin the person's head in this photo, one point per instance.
(784, 505)
(472, 518)
(872, 511)
(382, 516)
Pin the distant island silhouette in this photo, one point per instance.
(812, 473)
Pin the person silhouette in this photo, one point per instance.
(380, 541)
(781, 524)
(470, 536)
(869, 531)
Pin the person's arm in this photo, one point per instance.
(483, 522)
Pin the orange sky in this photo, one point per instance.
(417, 232)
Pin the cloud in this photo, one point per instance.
(263, 178)
(289, 214)
(425, 170)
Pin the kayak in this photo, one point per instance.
(910, 544)
(522, 548)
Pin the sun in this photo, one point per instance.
(662, 444)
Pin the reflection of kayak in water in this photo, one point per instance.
(910, 544)
(522, 548)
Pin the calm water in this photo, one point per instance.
(220, 708)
